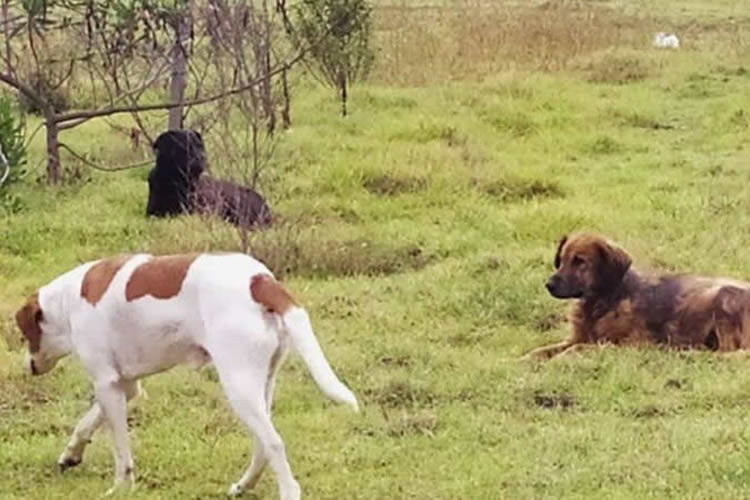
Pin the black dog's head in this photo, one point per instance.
(587, 265)
(180, 161)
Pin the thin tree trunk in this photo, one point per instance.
(262, 46)
(343, 94)
(179, 73)
(286, 116)
(53, 150)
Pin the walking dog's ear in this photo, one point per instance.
(612, 264)
(28, 318)
(558, 253)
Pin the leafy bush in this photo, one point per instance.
(337, 33)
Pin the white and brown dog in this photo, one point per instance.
(132, 316)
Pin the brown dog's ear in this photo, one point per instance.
(558, 253)
(732, 300)
(613, 263)
(28, 319)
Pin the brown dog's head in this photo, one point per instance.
(587, 265)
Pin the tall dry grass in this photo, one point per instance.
(469, 39)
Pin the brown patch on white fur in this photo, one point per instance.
(97, 279)
(268, 292)
(27, 319)
(160, 277)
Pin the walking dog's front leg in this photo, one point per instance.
(110, 394)
(87, 426)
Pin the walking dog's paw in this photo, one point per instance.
(66, 462)
(235, 490)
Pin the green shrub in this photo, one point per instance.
(12, 136)
(337, 33)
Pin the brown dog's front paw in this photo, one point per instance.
(547, 352)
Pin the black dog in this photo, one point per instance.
(178, 184)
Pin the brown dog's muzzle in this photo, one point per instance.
(562, 288)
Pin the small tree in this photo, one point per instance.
(344, 55)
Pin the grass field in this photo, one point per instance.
(419, 232)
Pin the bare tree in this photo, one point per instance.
(124, 52)
(182, 26)
(243, 37)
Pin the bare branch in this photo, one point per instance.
(30, 35)
(87, 115)
(66, 75)
(99, 167)
(8, 52)
(67, 123)
(33, 134)
(23, 88)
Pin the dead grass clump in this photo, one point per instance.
(555, 400)
(640, 120)
(290, 248)
(618, 69)
(516, 124)
(648, 411)
(412, 424)
(429, 132)
(387, 102)
(603, 145)
(512, 189)
(9, 333)
(393, 185)
(471, 38)
(294, 254)
(740, 118)
(402, 394)
(468, 338)
(397, 359)
(549, 322)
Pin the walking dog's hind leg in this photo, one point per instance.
(243, 368)
(260, 459)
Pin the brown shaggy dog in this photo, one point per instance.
(617, 305)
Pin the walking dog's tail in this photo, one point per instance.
(269, 293)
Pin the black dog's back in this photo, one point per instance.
(236, 204)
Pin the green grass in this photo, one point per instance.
(419, 232)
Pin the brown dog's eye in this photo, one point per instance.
(577, 261)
